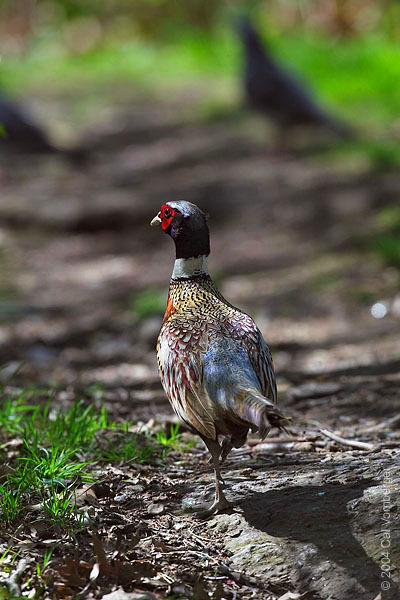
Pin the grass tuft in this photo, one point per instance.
(53, 452)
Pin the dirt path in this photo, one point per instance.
(288, 247)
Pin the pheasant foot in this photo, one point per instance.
(217, 506)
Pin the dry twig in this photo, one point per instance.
(341, 440)
(12, 582)
(347, 442)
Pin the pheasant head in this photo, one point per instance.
(187, 225)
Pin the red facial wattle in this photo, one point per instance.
(167, 215)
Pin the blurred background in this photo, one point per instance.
(109, 109)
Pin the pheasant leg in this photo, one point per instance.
(220, 502)
(226, 448)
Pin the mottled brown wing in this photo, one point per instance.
(260, 357)
(181, 367)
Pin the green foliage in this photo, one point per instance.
(148, 302)
(125, 448)
(54, 464)
(60, 507)
(171, 440)
(384, 154)
(150, 17)
(389, 218)
(48, 464)
(47, 460)
(353, 75)
(387, 246)
(73, 427)
(3, 132)
(13, 413)
(10, 500)
(46, 560)
(386, 243)
(380, 154)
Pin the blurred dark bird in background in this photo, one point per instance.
(275, 92)
(21, 134)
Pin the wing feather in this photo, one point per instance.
(259, 355)
(182, 375)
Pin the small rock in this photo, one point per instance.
(303, 447)
(155, 509)
(290, 596)
(181, 589)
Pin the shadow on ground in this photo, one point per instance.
(318, 515)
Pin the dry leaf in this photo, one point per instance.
(70, 573)
(85, 494)
(123, 572)
(105, 567)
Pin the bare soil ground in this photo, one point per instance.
(288, 232)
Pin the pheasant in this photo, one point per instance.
(214, 364)
(272, 90)
(21, 134)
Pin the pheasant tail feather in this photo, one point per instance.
(262, 413)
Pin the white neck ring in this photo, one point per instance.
(190, 267)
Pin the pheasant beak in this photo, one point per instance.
(156, 221)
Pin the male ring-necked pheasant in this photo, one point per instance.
(214, 364)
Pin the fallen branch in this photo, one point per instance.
(347, 442)
(341, 440)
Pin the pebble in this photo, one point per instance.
(155, 509)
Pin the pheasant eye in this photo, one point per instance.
(167, 213)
